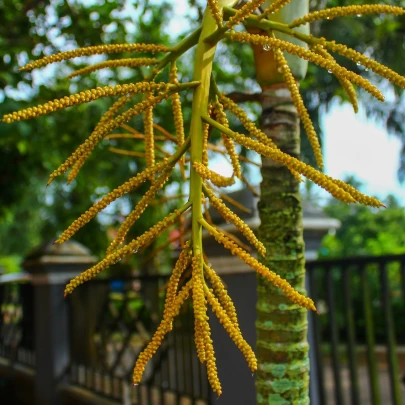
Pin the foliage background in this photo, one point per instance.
(29, 151)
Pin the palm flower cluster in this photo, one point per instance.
(209, 112)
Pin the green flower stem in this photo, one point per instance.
(172, 160)
(176, 88)
(202, 73)
(215, 37)
(181, 48)
(208, 227)
(180, 211)
(205, 189)
(266, 25)
(218, 126)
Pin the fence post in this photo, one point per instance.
(50, 267)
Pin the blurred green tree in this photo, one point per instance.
(365, 231)
(30, 151)
(30, 29)
(381, 39)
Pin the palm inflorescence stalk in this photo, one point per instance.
(209, 109)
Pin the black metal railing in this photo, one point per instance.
(127, 313)
(17, 324)
(362, 319)
(358, 340)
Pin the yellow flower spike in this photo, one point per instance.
(206, 132)
(139, 209)
(215, 178)
(299, 105)
(149, 135)
(200, 309)
(228, 234)
(90, 143)
(351, 93)
(346, 84)
(182, 262)
(287, 160)
(215, 11)
(212, 372)
(95, 50)
(250, 126)
(81, 98)
(199, 340)
(244, 12)
(128, 187)
(233, 238)
(229, 144)
(106, 126)
(367, 62)
(222, 295)
(157, 339)
(164, 245)
(230, 216)
(274, 7)
(310, 56)
(199, 305)
(298, 166)
(357, 195)
(234, 333)
(245, 120)
(75, 170)
(260, 268)
(333, 12)
(296, 176)
(113, 109)
(126, 250)
(111, 112)
(177, 115)
(129, 62)
(234, 202)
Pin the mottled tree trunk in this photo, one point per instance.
(282, 347)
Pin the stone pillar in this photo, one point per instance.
(51, 266)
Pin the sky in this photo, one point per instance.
(354, 145)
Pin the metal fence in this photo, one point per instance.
(17, 324)
(126, 314)
(362, 307)
(358, 340)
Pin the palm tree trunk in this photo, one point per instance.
(282, 348)
(281, 328)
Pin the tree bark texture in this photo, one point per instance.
(281, 328)
(282, 348)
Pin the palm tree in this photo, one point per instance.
(282, 347)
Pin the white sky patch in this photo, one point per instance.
(352, 145)
(180, 24)
(355, 145)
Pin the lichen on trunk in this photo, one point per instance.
(282, 348)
